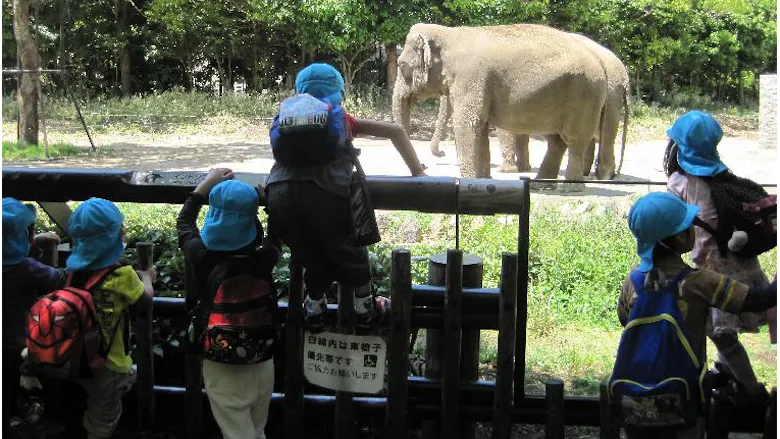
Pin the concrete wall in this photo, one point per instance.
(767, 115)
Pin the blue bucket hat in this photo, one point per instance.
(654, 217)
(95, 227)
(322, 81)
(697, 136)
(17, 218)
(230, 220)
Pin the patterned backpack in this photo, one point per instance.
(63, 334)
(239, 321)
(657, 380)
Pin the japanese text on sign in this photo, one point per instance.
(349, 363)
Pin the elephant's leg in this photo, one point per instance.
(605, 167)
(590, 153)
(521, 149)
(506, 142)
(471, 144)
(552, 160)
(577, 148)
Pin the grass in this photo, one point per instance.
(14, 151)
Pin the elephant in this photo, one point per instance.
(522, 78)
(514, 147)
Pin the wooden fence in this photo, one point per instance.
(451, 308)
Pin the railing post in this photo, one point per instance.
(507, 314)
(770, 427)
(397, 349)
(293, 381)
(555, 427)
(469, 357)
(50, 254)
(193, 366)
(608, 428)
(452, 319)
(145, 356)
(523, 243)
(345, 409)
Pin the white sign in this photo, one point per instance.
(349, 363)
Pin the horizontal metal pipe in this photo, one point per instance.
(423, 194)
(616, 182)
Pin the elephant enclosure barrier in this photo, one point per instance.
(453, 309)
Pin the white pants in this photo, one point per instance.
(240, 395)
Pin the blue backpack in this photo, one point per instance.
(658, 380)
(308, 132)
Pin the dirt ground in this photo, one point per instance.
(248, 150)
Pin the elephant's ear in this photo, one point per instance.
(423, 65)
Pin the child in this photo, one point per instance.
(97, 231)
(662, 225)
(691, 164)
(309, 207)
(239, 387)
(24, 279)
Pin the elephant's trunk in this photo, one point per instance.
(402, 103)
(441, 123)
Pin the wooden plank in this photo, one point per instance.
(554, 427)
(608, 428)
(451, 338)
(345, 408)
(293, 380)
(523, 232)
(507, 316)
(397, 349)
(145, 384)
(193, 367)
(50, 253)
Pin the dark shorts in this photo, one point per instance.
(317, 226)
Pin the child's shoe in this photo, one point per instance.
(370, 312)
(314, 313)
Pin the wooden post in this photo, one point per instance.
(193, 366)
(293, 381)
(397, 349)
(608, 427)
(523, 236)
(345, 409)
(720, 411)
(770, 428)
(507, 314)
(50, 253)
(145, 385)
(469, 357)
(452, 319)
(555, 427)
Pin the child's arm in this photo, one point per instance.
(398, 136)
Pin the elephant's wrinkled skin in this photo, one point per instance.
(514, 147)
(522, 78)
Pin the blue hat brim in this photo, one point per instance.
(645, 249)
(96, 252)
(228, 231)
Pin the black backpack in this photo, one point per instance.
(743, 206)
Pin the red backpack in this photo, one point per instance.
(63, 334)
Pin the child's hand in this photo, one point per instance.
(41, 238)
(214, 177)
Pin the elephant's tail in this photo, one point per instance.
(627, 104)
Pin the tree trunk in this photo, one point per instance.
(27, 97)
(741, 90)
(392, 67)
(125, 68)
